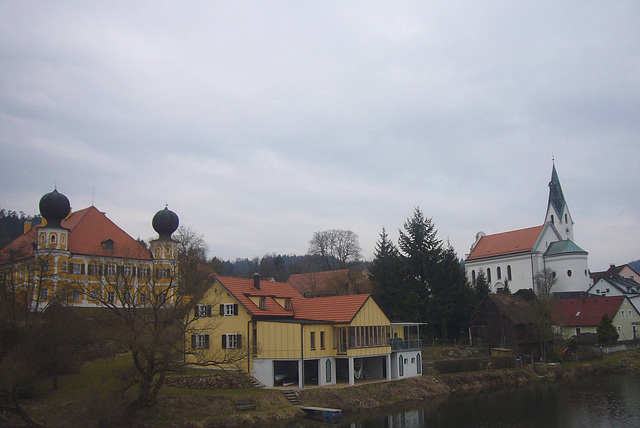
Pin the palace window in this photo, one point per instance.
(94, 270)
(111, 296)
(76, 268)
(52, 239)
(199, 341)
(108, 246)
(231, 341)
(44, 293)
(94, 294)
(128, 271)
(44, 265)
(143, 272)
(111, 270)
(64, 266)
(75, 296)
(163, 272)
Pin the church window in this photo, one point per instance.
(552, 222)
(499, 272)
(566, 219)
(509, 272)
(569, 273)
(489, 275)
(473, 277)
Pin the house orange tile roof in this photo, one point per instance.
(88, 229)
(512, 242)
(584, 311)
(335, 309)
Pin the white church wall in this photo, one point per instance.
(521, 271)
(571, 271)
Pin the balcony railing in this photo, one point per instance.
(405, 345)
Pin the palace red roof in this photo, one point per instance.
(88, 230)
(336, 309)
(512, 242)
(584, 311)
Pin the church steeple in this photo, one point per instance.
(557, 210)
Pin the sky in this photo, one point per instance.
(260, 123)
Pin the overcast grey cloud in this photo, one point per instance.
(260, 123)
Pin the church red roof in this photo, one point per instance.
(512, 242)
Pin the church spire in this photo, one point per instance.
(557, 210)
(556, 197)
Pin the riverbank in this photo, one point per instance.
(194, 401)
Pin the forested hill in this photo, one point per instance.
(12, 225)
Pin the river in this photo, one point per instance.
(595, 402)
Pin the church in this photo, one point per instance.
(516, 256)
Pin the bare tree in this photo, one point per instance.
(190, 244)
(335, 249)
(144, 313)
(545, 280)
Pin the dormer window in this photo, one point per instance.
(263, 303)
(288, 306)
(107, 245)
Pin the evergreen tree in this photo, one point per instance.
(606, 330)
(386, 272)
(481, 287)
(421, 252)
(452, 298)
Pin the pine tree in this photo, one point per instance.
(606, 330)
(452, 298)
(388, 285)
(421, 252)
(481, 287)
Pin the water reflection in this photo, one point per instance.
(606, 401)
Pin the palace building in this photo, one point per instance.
(83, 259)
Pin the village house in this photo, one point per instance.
(508, 321)
(83, 259)
(331, 283)
(515, 257)
(572, 317)
(282, 338)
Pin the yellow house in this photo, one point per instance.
(282, 338)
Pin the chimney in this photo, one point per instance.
(611, 266)
(27, 227)
(256, 280)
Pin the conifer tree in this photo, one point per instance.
(481, 287)
(386, 271)
(421, 252)
(606, 330)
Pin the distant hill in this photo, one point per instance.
(12, 225)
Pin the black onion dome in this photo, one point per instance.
(165, 222)
(54, 207)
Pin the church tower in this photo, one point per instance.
(557, 210)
